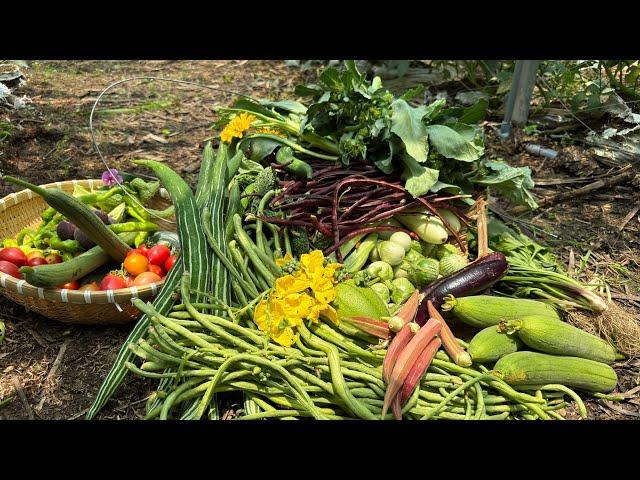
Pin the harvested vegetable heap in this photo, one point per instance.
(321, 252)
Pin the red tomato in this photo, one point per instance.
(9, 268)
(70, 285)
(53, 258)
(169, 263)
(146, 278)
(158, 255)
(35, 261)
(34, 254)
(13, 255)
(93, 287)
(112, 282)
(136, 264)
(143, 249)
(128, 280)
(156, 269)
(134, 250)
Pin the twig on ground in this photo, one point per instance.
(627, 174)
(54, 369)
(628, 218)
(23, 398)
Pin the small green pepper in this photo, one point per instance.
(133, 227)
(70, 246)
(141, 237)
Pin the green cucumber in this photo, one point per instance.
(531, 370)
(81, 215)
(489, 345)
(55, 274)
(559, 338)
(482, 311)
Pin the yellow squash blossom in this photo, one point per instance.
(236, 127)
(305, 294)
(281, 262)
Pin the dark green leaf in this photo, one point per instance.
(307, 90)
(474, 113)
(413, 93)
(246, 104)
(258, 148)
(462, 143)
(432, 110)
(512, 182)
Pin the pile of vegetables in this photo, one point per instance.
(84, 239)
(329, 257)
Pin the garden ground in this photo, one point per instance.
(53, 370)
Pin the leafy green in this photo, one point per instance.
(456, 142)
(512, 182)
(406, 122)
(418, 178)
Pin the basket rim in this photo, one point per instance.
(65, 295)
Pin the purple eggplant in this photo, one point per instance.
(102, 216)
(85, 241)
(65, 230)
(474, 278)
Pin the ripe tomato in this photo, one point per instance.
(70, 285)
(136, 264)
(13, 255)
(34, 254)
(93, 287)
(35, 261)
(53, 258)
(143, 249)
(9, 268)
(112, 282)
(128, 280)
(170, 262)
(146, 278)
(158, 255)
(156, 269)
(136, 250)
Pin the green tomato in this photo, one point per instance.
(391, 252)
(382, 291)
(380, 269)
(402, 290)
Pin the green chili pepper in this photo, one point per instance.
(292, 164)
(133, 227)
(48, 214)
(70, 246)
(141, 238)
(25, 232)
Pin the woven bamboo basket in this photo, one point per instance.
(23, 209)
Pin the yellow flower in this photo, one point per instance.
(323, 290)
(305, 294)
(236, 127)
(312, 263)
(269, 316)
(289, 284)
(270, 131)
(284, 260)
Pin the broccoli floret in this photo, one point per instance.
(244, 180)
(320, 242)
(299, 241)
(266, 180)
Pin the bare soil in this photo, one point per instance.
(51, 141)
